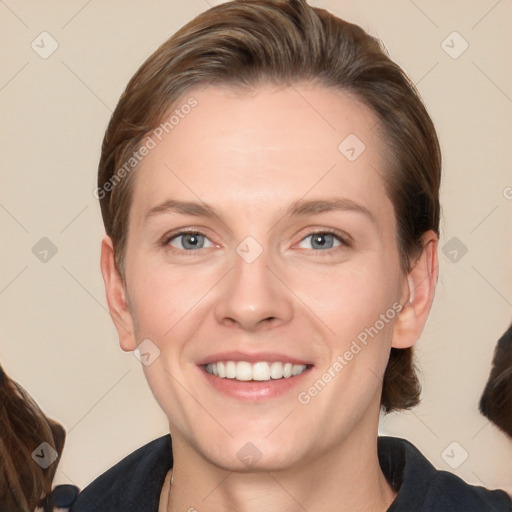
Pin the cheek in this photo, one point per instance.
(162, 296)
(166, 303)
(350, 297)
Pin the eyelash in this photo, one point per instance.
(344, 241)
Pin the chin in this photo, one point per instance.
(242, 455)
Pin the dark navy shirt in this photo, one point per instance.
(135, 483)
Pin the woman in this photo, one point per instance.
(269, 187)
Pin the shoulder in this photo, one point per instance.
(136, 479)
(423, 488)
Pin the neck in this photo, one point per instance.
(347, 478)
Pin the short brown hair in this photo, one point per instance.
(247, 43)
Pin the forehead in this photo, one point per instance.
(262, 149)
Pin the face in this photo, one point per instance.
(261, 243)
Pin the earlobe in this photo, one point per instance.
(116, 296)
(418, 295)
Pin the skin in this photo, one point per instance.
(250, 156)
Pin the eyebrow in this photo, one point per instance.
(298, 208)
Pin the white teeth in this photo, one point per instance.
(230, 370)
(260, 371)
(243, 370)
(276, 370)
(296, 369)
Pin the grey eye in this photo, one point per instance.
(322, 240)
(189, 241)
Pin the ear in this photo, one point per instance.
(418, 294)
(116, 296)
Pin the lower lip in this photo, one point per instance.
(253, 391)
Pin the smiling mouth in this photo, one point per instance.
(261, 371)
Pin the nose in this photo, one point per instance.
(253, 296)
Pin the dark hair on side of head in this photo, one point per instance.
(496, 400)
(23, 427)
(249, 43)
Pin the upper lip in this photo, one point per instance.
(254, 357)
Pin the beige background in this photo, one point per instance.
(57, 338)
